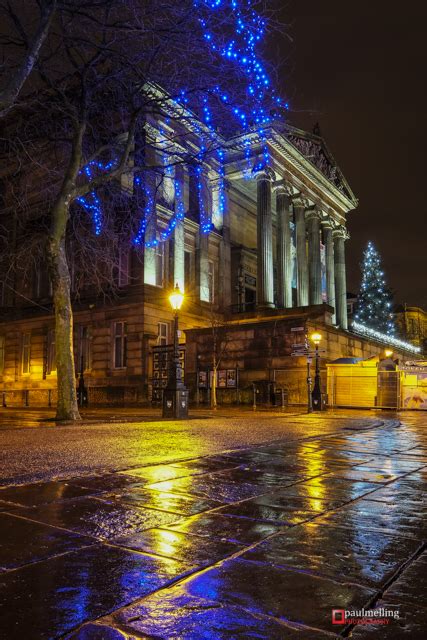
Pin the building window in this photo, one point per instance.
(26, 353)
(162, 334)
(2, 350)
(84, 353)
(187, 270)
(51, 351)
(211, 281)
(160, 264)
(120, 345)
(124, 261)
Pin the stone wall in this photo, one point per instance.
(260, 348)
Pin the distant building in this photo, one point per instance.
(411, 323)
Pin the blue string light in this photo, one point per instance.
(91, 202)
(250, 106)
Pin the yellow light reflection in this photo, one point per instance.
(314, 461)
(167, 543)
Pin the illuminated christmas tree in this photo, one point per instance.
(375, 300)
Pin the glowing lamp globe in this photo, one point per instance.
(388, 353)
(316, 337)
(176, 298)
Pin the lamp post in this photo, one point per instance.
(175, 395)
(317, 392)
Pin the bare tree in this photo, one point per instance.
(221, 341)
(85, 125)
(23, 48)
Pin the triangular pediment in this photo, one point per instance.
(314, 149)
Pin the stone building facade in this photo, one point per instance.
(275, 252)
(411, 323)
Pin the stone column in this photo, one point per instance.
(284, 247)
(202, 248)
(265, 285)
(340, 235)
(330, 266)
(225, 253)
(178, 256)
(314, 267)
(202, 266)
(302, 265)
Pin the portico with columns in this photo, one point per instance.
(300, 202)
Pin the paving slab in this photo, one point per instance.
(343, 554)
(29, 495)
(206, 465)
(411, 585)
(23, 541)
(292, 513)
(49, 598)
(410, 624)
(401, 491)
(175, 614)
(327, 486)
(171, 502)
(393, 464)
(398, 519)
(191, 549)
(93, 517)
(221, 527)
(304, 598)
(160, 473)
(366, 474)
(225, 486)
(285, 498)
(108, 482)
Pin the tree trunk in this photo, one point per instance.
(67, 408)
(213, 392)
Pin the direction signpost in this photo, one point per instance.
(301, 350)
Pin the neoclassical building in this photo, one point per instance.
(257, 243)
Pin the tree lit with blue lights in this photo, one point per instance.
(238, 100)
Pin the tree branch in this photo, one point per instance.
(10, 93)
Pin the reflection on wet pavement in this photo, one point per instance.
(365, 558)
(221, 527)
(24, 542)
(41, 493)
(178, 614)
(260, 542)
(93, 517)
(180, 546)
(77, 586)
(173, 503)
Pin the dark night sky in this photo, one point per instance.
(359, 69)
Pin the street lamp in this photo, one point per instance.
(317, 392)
(388, 353)
(175, 395)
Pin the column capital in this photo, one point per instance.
(299, 200)
(282, 187)
(327, 222)
(341, 232)
(263, 172)
(313, 214)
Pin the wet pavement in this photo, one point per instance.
(254, 530)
